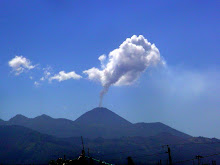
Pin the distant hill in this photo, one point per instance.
(143, 129)
(2, 122)
(99, 122)
(47, 125)
(20, 145)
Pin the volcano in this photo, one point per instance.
(98, 122)
(102, 117)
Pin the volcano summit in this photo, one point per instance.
(98, 122)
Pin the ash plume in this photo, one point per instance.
(102, 93)
(125, 64)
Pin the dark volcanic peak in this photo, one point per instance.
(101, 116)
(18, 118)
(43, 116)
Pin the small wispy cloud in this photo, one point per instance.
(46, 73)
(62, 76)
(19, 64)
(36, 84)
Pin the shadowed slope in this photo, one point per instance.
(20, 145)
(157, 128)
(2, 122)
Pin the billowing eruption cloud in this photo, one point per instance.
(125, 64)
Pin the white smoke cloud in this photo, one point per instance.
(126, 63)
(102, 59)
(61, 76)
(19, 64)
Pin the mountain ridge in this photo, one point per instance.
(98, 122)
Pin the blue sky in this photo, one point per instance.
(70, 36)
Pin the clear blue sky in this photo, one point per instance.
(71, 35)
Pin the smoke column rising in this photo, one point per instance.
(102, 93)
(125, 64)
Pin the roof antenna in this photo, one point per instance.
(83, 150)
